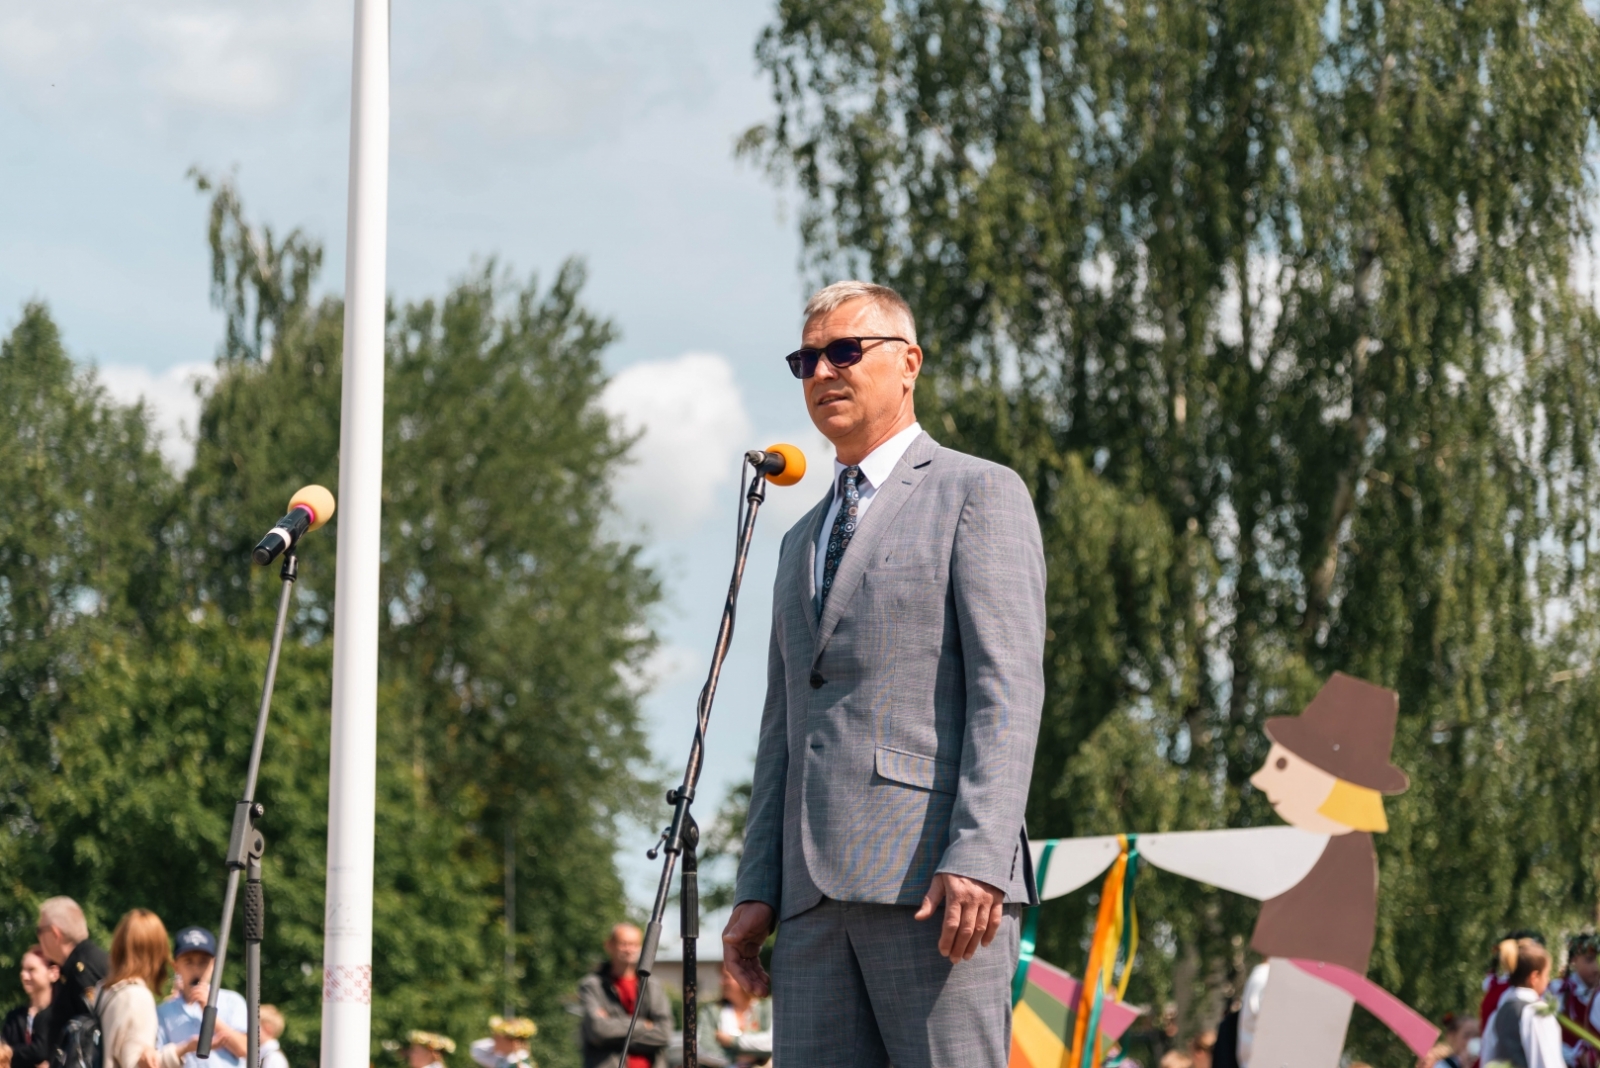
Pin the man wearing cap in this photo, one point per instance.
(905, 682)
(178, 1020)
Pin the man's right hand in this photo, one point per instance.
(742, 939)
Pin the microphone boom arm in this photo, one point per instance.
(682, 835)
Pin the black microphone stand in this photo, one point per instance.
(245, 846)
(682, 835)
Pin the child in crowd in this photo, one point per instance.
(1523, 1031)
(1574, 994)
(1498, 980)
(1458, 1044)
(179, 1018)
(271, 1031)
(507, 1044)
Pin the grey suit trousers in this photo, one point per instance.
(862, 985)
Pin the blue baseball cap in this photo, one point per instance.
(194, 940)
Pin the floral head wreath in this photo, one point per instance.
(516, 1027)
(429, 1040)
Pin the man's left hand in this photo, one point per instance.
(972, 912)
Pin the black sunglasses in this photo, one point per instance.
(841, 352)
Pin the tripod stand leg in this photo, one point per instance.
(689, 900)
(255, 923)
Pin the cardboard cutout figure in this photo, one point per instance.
(1317, 879)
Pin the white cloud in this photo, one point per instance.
(190, 53)
(171, 397)
(694, 430)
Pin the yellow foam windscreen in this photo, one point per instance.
(794, 465)
(316, 500)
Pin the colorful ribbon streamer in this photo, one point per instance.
(1030, 927)
(1116, 939)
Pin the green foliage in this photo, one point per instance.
(513, 631)
(85, 497)
(1273, 307)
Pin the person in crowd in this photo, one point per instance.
(507, 1043)
(1522, 1032)
(180, 1018)
(1574, 994)
(904, 687)
(738, 1025)
(16, 1033)
(1498, 980)
(1200, 1048)
(81, 965)
(1175, 1058)
(140, 964)
(1458, 1044)
(607, 997)
(271, 1031)
(424, 1049)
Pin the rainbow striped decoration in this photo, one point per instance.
(1043, 1021)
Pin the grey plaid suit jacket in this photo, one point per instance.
(899, 729)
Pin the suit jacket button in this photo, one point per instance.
(817, 680)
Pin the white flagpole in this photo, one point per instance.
(352, 775)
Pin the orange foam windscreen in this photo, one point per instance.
(316, 500)
(794, 465)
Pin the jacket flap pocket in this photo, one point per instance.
(914, 769)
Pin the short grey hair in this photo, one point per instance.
(64, 915)
(829, 298)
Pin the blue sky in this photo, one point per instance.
(527, 131)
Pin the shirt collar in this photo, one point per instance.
(877, 465)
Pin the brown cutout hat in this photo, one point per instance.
(1347, 730)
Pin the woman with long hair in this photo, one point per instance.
(17, 1031)
(141, 964)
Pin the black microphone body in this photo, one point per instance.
(284, 534)
(766, 461)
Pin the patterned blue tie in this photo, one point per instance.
(844, 528)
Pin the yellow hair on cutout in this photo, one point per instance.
(1355, 806)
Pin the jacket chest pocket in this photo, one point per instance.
(906, 600)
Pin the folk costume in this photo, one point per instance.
(507, 1044)
(1523, 1032)
(1575, 999)
(423, 1049)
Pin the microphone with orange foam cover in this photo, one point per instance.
(782, 465)
(309, 508)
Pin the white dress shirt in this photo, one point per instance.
(875, 470)
(272, 1056)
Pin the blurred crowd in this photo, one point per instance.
(734, 1030)
(1531, 1015)
(138, 1006)
(141, 1004)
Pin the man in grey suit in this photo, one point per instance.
(905, 679)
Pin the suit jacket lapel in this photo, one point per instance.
(886, 504)
(807, 578)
